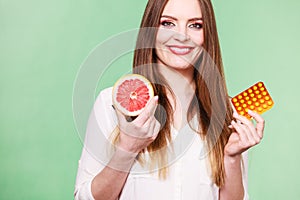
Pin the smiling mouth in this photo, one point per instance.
(180, 50)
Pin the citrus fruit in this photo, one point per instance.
(131, 93)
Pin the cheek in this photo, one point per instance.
(198, 38)
(163, 36)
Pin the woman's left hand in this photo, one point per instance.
(245, 134)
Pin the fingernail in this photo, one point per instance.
(232, 122)
(250, 111)
(156, 98)
(230, 126)
(235, 114)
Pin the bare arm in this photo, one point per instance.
(108, 184)
(134, 136)
(233, 188)
(244, 136)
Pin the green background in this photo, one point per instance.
(43, 44)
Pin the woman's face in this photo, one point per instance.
(180, 35)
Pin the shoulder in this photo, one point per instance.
(105, 97)
(103, 111)
(103, 101)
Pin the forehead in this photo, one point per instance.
(183, 8)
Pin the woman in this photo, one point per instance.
(191, 102)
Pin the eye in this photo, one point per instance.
(196, 26)
(167, 23)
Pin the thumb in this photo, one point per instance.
(148, 111)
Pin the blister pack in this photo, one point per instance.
(255, 98)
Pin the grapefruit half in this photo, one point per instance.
(131, 93)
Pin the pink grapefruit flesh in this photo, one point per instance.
(131, 94)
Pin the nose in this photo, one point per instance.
(181, 33)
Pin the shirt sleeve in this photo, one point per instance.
(97, 144)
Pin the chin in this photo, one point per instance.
(179, 63)
(180, 66)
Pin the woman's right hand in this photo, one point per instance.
(142, 131)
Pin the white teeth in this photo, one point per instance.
(180, 50)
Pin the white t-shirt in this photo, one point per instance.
(188, 170)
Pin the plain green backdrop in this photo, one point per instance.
(43, 44)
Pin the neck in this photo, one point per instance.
(180, 80)
(183, 86)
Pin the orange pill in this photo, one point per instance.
(267, 98)
(260, 84)
(239, 108)
(249, 102)
(247, 98)
(259, 96)
(237, 104)
(242, 113)
(270, 103)
(264, 93)
(259, 109)
(244, 105)
(252, 95)
(265, 106)
(254, 99)
(256, 92)
(262, 89)
(250, 91)
(262, 101)
(240, 96)
(256, 104)
(254, 87)
(252, 107)
(242, 100)
(234, 99)
(245, 94)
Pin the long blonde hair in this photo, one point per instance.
(216, 133)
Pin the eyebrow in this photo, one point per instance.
(174, 18)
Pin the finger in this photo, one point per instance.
(121, 117)
(150, 130)
(246, 122)
(157, 127)
(260, 125)
(249, 124)
(156, 130)
(154, 125)
(248, 138)
(148, 111)
(239, 130)
(154, 136)
(124, 125)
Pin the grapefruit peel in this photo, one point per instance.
(131, 93)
